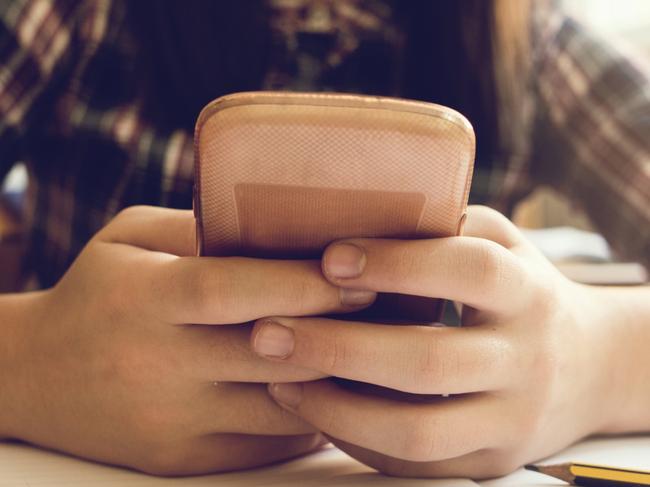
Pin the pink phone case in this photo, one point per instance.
(281, 175)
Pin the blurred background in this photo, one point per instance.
(627, 19)
(561, 230)
(627, 22)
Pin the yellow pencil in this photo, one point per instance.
(588, 475)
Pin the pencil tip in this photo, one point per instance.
(534, 468)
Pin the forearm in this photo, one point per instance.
(625, 322)
(17, 311)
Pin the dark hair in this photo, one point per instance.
(196, 50)
(193, 51)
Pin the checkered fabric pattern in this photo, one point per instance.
(68, 110)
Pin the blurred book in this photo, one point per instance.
(607, 273)
(560, 244)
(584, 256)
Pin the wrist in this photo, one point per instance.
(18, 313)
(620, 338)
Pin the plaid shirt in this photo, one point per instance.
(90, 151)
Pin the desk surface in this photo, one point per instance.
(22, 465)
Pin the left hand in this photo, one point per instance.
(526, 372)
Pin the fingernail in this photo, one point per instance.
(344, 260)
(356, 297)
(273, 340)
(288, 394)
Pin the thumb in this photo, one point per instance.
(484, 222)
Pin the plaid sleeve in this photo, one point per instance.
(34, 40)
(592, 132)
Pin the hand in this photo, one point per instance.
(526, 373)
(121, 362)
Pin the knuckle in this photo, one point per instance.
(492, 363)
(545, 299)
(488, 265)
(433, 368)
(118, 363)
(423, 440)
(408, 262)
(336, 355)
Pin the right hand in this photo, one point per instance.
(122, 361)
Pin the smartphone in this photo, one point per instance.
(281, 175)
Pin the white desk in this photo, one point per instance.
(25, 466)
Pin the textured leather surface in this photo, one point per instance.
(283, 174)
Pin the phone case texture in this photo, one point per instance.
(281, 175)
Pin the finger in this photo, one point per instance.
(417, 359)
(212, 290)
(228, 452)
(418, 432)
(481, 464)
(246, 408)
(487, 223)
(153, 228)
(484, 222)
(474, 271)
(224, 354)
